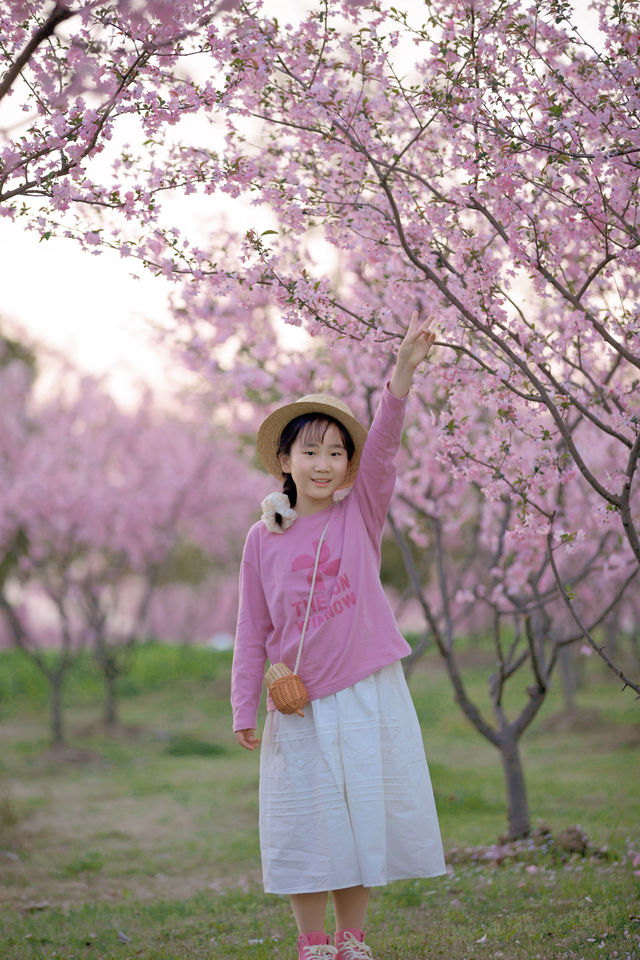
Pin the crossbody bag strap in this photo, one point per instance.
(313, 582)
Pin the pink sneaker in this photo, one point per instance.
(315, 946)
(351, 945)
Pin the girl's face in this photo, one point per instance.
(318, 465)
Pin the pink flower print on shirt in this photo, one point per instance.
(326, 566)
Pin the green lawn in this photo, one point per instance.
(144, 843)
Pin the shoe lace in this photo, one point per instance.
(352, 949)
(320, 951)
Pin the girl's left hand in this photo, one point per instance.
(247, 739)
(417, 342)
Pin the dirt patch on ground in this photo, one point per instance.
(127, 732)
(579, 720)
(590, 721)
(61, 755)
(43, 891)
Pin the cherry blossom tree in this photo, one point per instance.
(490, 575)
(37, 610)
(181, 487)
(97, 502)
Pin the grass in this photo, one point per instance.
(143, 842)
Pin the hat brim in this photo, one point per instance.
(270, 431)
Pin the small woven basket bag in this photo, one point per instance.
(286, 688)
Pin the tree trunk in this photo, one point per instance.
(517, 804)
(110, 672)
(57, 727)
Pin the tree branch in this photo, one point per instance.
(585, 633)
(58, 15)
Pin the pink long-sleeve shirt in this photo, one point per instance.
(351, 631)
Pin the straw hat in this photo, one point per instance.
(271, 429)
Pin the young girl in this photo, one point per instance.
(345, 796)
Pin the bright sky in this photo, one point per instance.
(90, 308)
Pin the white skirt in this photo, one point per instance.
(345, 792)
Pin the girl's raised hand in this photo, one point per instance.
(247, 739)
(417, 342)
